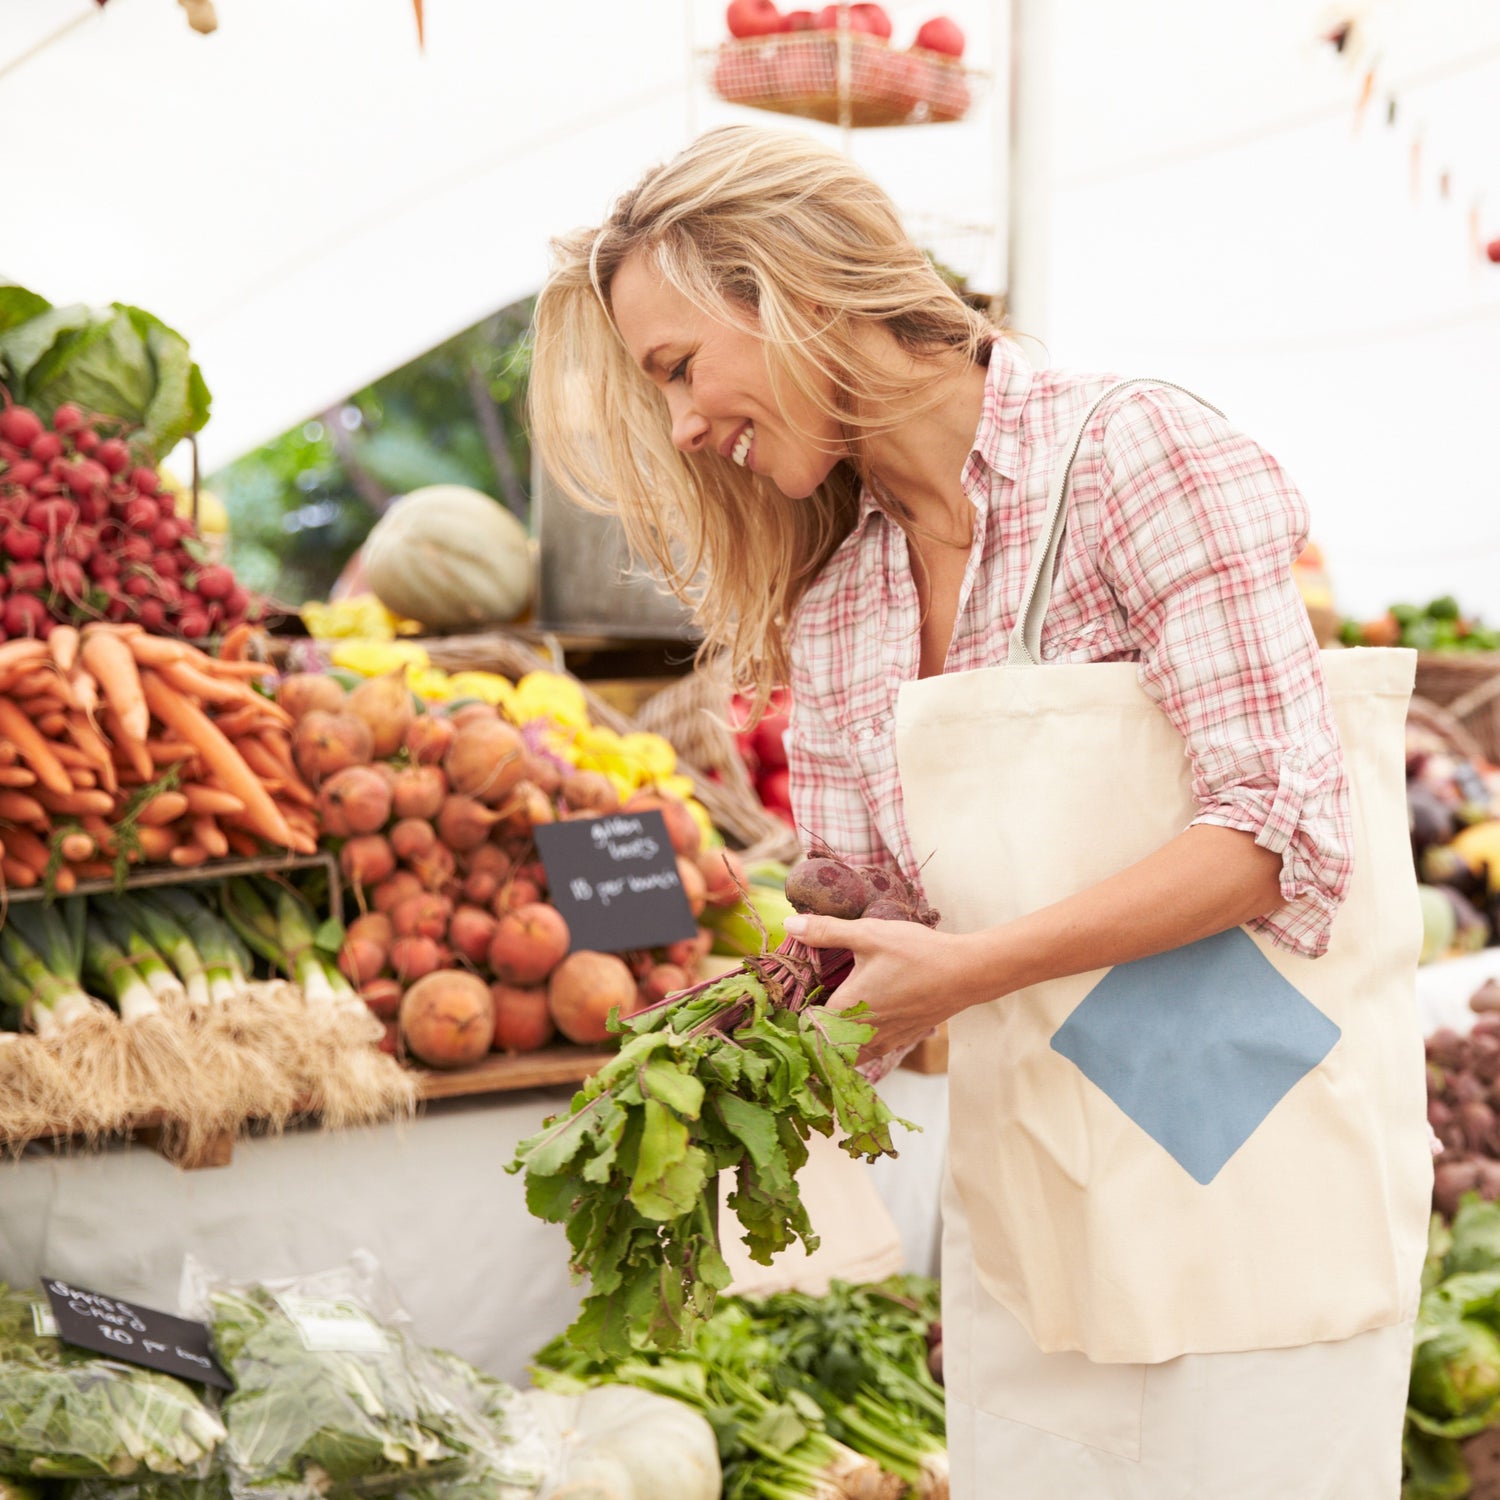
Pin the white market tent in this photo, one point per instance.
(312, 201)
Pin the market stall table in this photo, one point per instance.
(429, 1198)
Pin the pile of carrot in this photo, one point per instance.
(118, 745)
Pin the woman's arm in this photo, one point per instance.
(1204, 881)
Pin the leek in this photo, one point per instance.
(117, 919)
(227, 963)
(38, 948)
(113, 969)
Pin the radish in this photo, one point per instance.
(27, 577)
(21, 543)
(20, 425)
(23, 471)
(142, 514)
(194, 624)
(214, 583)
(138, 586)
(136, 549)
(26, 615)
(45, 447)
(152, 616)
(102, 566)
(67, 577)
(68, 418)
(166, 533)
(86, 440)
(51, 515)
(114, 455)
(145, 480)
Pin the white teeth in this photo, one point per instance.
(741, 450)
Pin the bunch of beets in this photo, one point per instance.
(86, 533)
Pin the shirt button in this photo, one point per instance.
(1049, 653)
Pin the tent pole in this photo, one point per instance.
(1029, 153)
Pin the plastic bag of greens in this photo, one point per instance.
(69, 1413)
(213, 1487)
(511, 1456)
(332, 1397)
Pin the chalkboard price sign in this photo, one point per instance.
(135, 1335)
(615, 881)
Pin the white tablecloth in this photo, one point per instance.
(429, 1198)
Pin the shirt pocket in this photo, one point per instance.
(1094, 637)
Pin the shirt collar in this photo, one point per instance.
(997, 441)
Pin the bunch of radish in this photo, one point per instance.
(456, 946)
(86, 533)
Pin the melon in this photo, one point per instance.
(450, 558)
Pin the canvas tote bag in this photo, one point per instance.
(1220, 1148)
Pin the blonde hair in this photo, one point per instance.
(765, 230)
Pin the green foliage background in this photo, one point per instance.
(300, 505)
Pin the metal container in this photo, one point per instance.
(585, 582)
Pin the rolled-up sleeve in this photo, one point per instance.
(1199, 528)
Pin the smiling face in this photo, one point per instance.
(717, 386)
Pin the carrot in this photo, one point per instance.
(158, 651)
(16, 656)
(242, 669)
(17, 807)
(95, 869)
(51, 723)
(236, 642)
(186, 856)
(41, 683)
(186, 678)
(64, 880)
(88, 739)
(166, 752)
(156, 844)
(76, 847)
(23, 845)
(17, 874)
(102, 833)
(17, 776)
(208, 833)
(62, 647)
(85, 690)
(69, 753)
(109, 660)
(241, 721)
(9, 755)
(85, 778)
(16, 727)
(76, 802)
(188, 721)
(242, 843)
(163, 808)
(129, 749)
(210, 800)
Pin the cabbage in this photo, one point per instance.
(1455, 1379)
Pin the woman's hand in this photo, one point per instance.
(911, 977)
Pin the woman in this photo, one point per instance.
(845, 469)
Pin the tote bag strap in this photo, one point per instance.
(1026, 637)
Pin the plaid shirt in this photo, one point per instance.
(1178, 555)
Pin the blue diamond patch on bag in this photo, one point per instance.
(1197, 1045)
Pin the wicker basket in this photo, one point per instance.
(1439, 725)
(731, 801)
(1467, 685)
(797, 73)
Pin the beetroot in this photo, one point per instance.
(828, 887)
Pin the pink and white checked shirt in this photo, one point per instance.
(1178, 555)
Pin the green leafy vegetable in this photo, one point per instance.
(353, 1419)
(66, 1412)
(732, 1076)
(116, 361)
